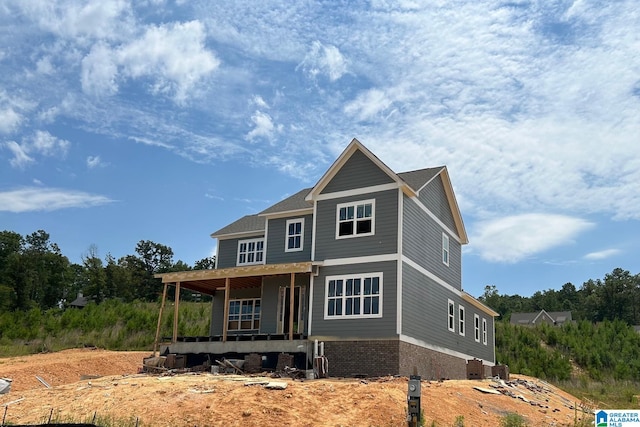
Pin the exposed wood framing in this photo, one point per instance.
(164, 298)
(291, 305)
(175, 312)
(246, 271)
(225, 320)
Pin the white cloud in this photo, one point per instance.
(604, 254)
(264, 126)
(513, 238)
(94, 162)
(47, 199)
(173, 55)
(20, 157)
(46, 144)
(99, 71)
(9, 120)
(368, 104)
(324, 59)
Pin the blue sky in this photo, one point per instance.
(161, 120)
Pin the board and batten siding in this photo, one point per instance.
(422, 244)
(368, 328)
(357, 172)
(435, 199)
(383, 241)
(276, 241)
(425, 316)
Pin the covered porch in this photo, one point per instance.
(255, 309)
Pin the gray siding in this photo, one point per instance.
(357, 172)
(270, 296)
(276, 241)
(435, 199)
(384, 241)
(383, 327)
(217, 306)
(228, 252)
(425, 316)
(422, 243)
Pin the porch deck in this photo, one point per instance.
(239, 344)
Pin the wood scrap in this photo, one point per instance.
(486, 390)
(44, 383)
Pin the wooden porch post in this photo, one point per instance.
(175, 312)
(225, 321)
(291, 305)
(155, 342)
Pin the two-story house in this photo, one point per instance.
(367, 261)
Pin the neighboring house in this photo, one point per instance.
(373, 261)
(80, 302)
(532, 319)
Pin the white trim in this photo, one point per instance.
(462, 320)
(443, 350)
(451, 315)
(399, 265)
(431, 276)
(253, 313)
(264, 245)
(354, 205)
(360, 260)
(286, 214)
(484, 331)
(436, 219)
(361, 296)
(229, 236)
(287, 236)
(310, 313)
(357, 191)
(247, 241)
(476, 327)
(313, 231)
(445, 239)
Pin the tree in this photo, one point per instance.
(209, 263)
(95, 277)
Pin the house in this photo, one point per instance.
(366, 262)
(80, 302)
(531, 319)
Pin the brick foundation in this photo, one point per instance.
(430, 364)
(391, 357)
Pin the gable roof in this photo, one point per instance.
(538, 317)
(421, 177)
(248, 224)
(292, 204)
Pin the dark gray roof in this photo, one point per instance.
(418, 178)
(246, 224)
(528, 318)
(291, 203)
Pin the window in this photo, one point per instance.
(251, 252)
(295, 228)
(355, 296)
(461, 320)
(484, 331)
(451, 315)
(445, 249)
(476, 327)
(244, 314)
(355, 219)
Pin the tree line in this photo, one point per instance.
(35, 274)
(616, 297)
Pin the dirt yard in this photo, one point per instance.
(204, 399)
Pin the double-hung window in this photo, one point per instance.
(484, 331)
(445, 249)
(244, 314)
(451, 316)
(355, 219)
(353, 296)
(461, 320)
(476, 327)
(251, 252)
(295, 230)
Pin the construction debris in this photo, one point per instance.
(44, 383)
(5, 385)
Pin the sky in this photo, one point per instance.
(162, 120)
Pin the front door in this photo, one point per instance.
(284, 310)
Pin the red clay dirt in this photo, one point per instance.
(206, 399)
